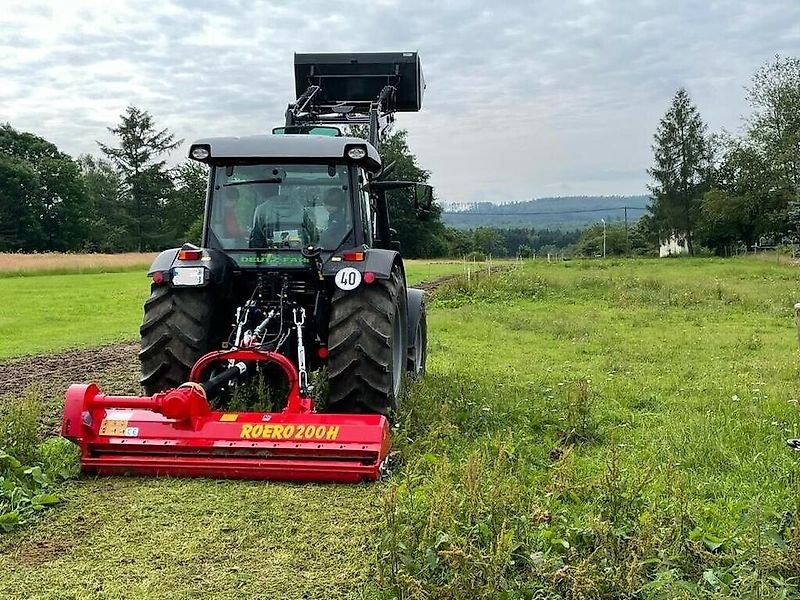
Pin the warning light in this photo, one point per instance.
(353, 255)
(189, 254)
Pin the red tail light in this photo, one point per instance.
(353, 256)
(322, 352)
(187, 254)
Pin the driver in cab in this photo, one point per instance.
(282, 222)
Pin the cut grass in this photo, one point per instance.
(57, 312)
(176, 539)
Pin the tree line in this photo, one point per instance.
(723, 190)
(127, 199)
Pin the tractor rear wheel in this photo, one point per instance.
(368, 346)
(175, 332)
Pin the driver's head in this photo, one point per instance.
(333, 199)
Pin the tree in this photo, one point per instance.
(591, 242)
(775, 123)
(682, 168)
(43, 198)
(106, 213)
(185, 205)
(146, 181)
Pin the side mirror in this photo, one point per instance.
(423, 197)
(423, 193)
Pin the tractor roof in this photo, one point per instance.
(278, 147)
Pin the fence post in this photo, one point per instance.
(797, 320)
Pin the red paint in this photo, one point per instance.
(176, 433)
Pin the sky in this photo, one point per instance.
(524, 98)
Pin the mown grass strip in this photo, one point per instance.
(50, 313)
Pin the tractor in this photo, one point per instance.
(299, 270)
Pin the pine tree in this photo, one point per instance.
(146, 180)
(682, 169)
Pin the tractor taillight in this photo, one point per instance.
(369, 277)
(322, 352)
(353, 256)
(189, 254)
(158, 277)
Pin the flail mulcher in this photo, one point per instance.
(298, 272)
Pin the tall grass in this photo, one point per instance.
(602, 430)
(53, 263)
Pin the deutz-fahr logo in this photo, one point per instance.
(272, 259)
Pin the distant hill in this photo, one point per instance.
(565, 213)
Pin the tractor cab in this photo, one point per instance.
(288, 192)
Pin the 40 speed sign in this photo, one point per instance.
(348, 279)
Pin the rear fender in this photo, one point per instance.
(215, 262)
(378, 261)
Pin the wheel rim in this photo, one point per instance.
(398, 352)
(418, 350)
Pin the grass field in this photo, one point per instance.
(586, 430)
(56, 312)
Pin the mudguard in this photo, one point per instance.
(415, 299)
(376, 260)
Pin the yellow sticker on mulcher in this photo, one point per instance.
(113, 427)
(228, 417)
(289, 432)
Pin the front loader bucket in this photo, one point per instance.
(176, 434)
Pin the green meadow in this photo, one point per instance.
(586, 429)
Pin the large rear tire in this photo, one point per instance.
(368, 346)
(175, 332)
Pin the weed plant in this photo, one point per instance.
(602, 430)
(30, 469)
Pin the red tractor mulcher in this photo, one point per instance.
(298, 271)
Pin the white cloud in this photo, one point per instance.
(524, 98)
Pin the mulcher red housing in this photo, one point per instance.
(176, 433)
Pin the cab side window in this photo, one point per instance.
(366, 208)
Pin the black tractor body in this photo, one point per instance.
(297, 254)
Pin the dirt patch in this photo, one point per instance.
(54, 370)
(41, 551)
(114, 367)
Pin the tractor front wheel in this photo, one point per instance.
(368, 346)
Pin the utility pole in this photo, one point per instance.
(627, 242)
(604, 237)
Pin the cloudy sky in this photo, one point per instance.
(524, 99)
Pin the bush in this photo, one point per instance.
(30, 469)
